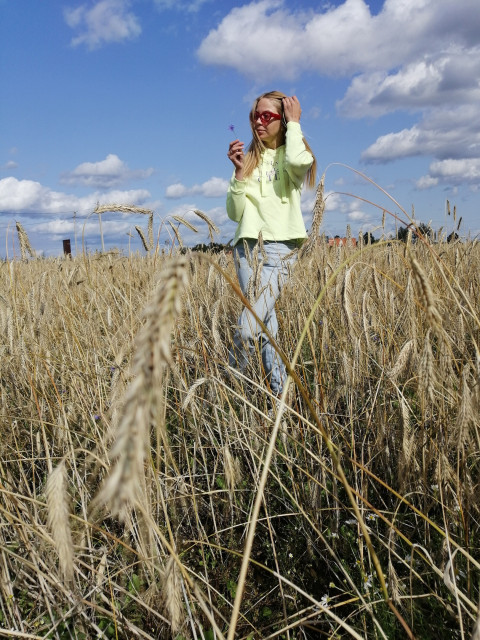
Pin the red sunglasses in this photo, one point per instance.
(266, 117)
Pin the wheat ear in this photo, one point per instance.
(58, 519)
(402, 360)
(172, 596)
(212, 227)
(347, 295)
(125, 484)
(426, 370)
(465, 414)
(188, 224)
(142, 238)
(433, 317)
(122, 208)
(25, 246)
(318, 211)
(177, 234)
(150, 230)
(233, 473)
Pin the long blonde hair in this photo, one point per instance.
(256, 147)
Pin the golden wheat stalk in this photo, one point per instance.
(426, 370)
(188, 224)
(347, 295)
(191, 392)
(233, 474)
(124, 486)
(58, 519)
(172, 596)
(142, 238)
(403, 359)
(318, 211)
(177, 234)
(25, 246)
(466, 414)
(428, 300)
(212, 227)
(122, 208)
(150, 230)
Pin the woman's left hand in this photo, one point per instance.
(292, 109)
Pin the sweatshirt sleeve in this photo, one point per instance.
(236, 199)
(298, 159)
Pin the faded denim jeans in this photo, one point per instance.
(249, 337)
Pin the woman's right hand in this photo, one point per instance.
(236, 156)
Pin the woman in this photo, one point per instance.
(264, 199)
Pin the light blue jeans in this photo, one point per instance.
(249, 337)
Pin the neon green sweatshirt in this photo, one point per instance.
(269, 199)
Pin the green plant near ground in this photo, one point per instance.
(134, 467)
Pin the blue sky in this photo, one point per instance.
(130, 102)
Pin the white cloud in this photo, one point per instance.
(255, 39)
(266, 38)
(177, 190)
(59, 228)
(395, 145)
(28, 196)
(358, 216)
(19, 194)
(104, 174)
(455, 171)
(9, 166)
(137, 197)
(460, 168)
(212, 188)
(426, 182)
(190, 6)
(419, 56)
(106, 22)
(450, 132)
(448, 77)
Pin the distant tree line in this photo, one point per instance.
(212, 247)
(402, 234)
(426, 231)
(368, 238)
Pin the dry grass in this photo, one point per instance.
(117, 400)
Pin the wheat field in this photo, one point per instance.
(146, 492)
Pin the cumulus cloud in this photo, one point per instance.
(59, 228)
(418, 56)
(455, 171)
(28, 196)
(426, 182)
(104, 174)
(107, 21)
(358, 216)
(468, 169)
(443, 133)
(268, 38)
(449, 77)
(177, 190)
(212, 188)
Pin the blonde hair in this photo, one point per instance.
(256, 147)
